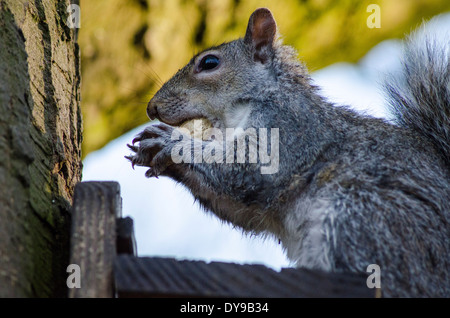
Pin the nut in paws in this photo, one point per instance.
(153, 149)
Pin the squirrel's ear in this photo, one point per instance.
(261, 33)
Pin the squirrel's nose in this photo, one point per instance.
(152, 111)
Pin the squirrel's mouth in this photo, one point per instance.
(196, 125)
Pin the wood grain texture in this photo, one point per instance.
(168, 277)
(40, 145)
(96, 207)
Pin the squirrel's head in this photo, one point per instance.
(218, 83)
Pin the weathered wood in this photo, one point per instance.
(40, 145)
(104, 247)
(126, 242)
(168, 277)
(96, 207)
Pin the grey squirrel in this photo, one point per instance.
(349, 190)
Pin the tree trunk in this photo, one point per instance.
(40, 145)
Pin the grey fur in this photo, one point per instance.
(351, 190)
(422, 89)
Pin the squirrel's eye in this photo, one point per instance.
(208, 62)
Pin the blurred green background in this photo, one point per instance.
(130, 47)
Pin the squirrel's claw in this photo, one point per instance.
(152, 150)
(131, 158)
(132, 147)
(151, 173)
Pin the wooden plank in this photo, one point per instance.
(96, 207)
(168, 277)
(99, 234)
(126, 242)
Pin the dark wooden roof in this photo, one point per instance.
(103, 245)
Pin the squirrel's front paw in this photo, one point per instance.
(154, 149)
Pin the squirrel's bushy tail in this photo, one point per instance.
(420, 94)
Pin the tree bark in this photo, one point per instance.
(40, 145)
